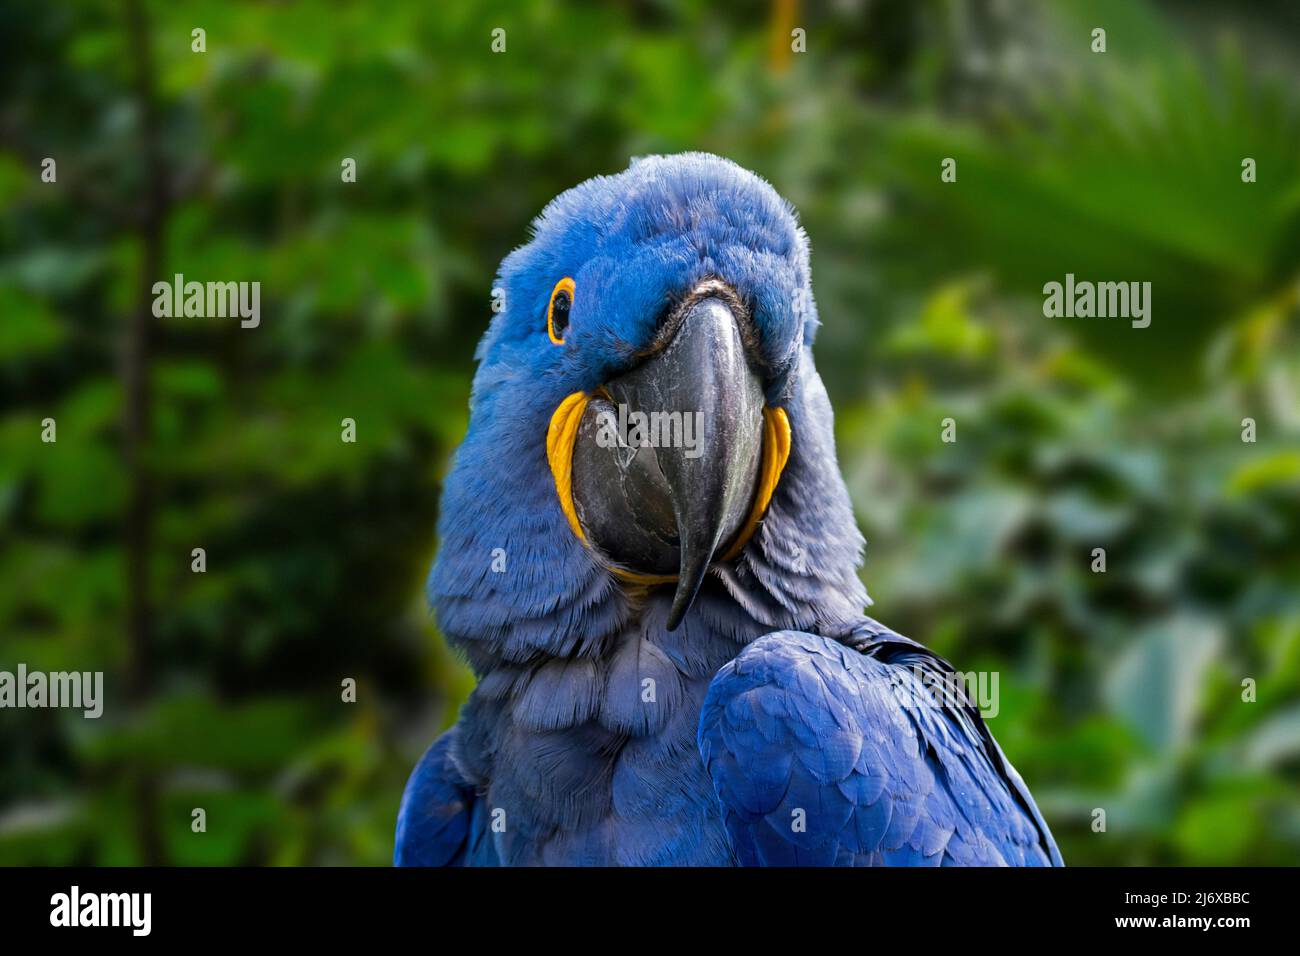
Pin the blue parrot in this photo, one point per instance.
(649, 559)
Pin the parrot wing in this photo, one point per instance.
(830, 753)
(437, 818)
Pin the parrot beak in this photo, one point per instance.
(666, 462)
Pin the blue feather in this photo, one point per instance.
(772, 732)
(925, 784)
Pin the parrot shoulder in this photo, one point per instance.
(838, 752)
(434, 820)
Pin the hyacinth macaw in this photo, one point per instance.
(665, 618)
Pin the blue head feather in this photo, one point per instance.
(632, 242)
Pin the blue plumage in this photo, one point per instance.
(596, 735)
(826, 752)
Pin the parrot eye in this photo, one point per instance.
(557, 313)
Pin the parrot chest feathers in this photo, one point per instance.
(610, 776)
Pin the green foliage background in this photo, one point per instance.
(1119, 691)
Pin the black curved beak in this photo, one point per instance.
(672, 494)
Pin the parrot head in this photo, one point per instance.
(638, 398)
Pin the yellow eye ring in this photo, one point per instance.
(557, 318)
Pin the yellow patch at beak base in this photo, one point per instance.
(776, 452)
(560, 436)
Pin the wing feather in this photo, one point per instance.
(433, 822)
(826, 752)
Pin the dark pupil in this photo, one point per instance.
(560, 312)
